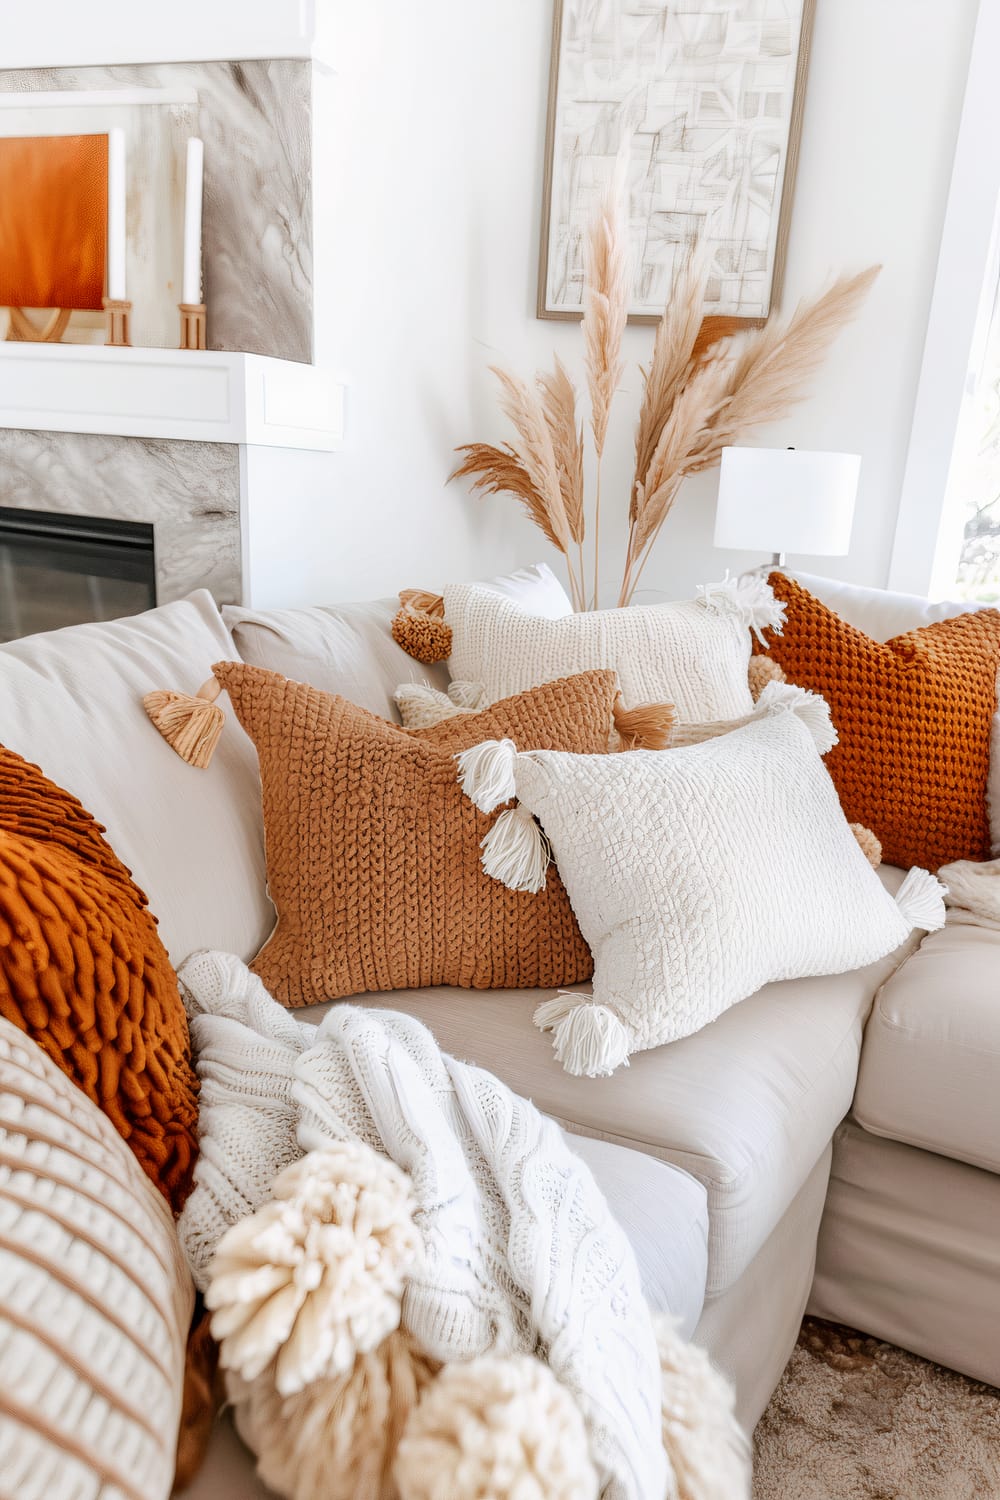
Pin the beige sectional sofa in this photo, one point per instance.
(716, 1151)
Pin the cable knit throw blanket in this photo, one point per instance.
(521, 1251)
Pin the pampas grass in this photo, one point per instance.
(708, 384)
(605, 313)
(722, 392)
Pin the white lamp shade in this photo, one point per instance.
(786, 500)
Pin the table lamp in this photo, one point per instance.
(782, 500)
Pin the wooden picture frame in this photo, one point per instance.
(564, 240)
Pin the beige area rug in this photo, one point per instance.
(856, 1419)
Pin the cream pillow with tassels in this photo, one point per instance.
(697, 874)
(693, 654)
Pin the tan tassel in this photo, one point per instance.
(646, 727)
(419, 627)
(423, 602)
(762, 670)
(190, 725)
(868, 843)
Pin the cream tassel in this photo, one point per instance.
(486, 773)
(814, 711)
(516, 851)
(190, 725)
(590, 1041)
(750, 597)
(548, 1015)
(921, 901)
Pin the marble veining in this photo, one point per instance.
(255, 118)
(189, 491)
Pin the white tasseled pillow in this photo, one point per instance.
(693, 654)
(95, 1298)
(697, 875)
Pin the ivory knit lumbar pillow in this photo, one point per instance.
(699, 874)
(373, 853)
(693, 654)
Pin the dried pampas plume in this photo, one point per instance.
(709, 383)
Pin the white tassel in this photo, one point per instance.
(516, 851)
(548, 1015)
(591, 1041)
(921, 901)
(814, 711)
(750, 597)
(468, 697)
(486, 773)
(420, 705)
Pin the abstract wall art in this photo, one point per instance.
(705, 99)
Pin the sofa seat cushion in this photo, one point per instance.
(71, 702)
(931, 1059)
(664, 1213)
(747, 1105)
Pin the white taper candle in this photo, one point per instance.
(191, 287)
(116, 214)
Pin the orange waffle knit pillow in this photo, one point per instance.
(84, 973)
(914, 718)
(373, 853)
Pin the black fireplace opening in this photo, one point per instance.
(60, 570)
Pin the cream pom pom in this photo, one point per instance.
(315, 1276)
(336, 1439)
(762, 670)
(492, 1429)
(706, 1446)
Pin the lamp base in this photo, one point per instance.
(776, 565)
(116, 313)
(192, 325)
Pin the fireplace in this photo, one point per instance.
(64, 569)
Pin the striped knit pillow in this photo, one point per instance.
(95, 1297)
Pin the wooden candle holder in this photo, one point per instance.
(116, 314)
(192, 325)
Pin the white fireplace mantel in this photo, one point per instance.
(199, 395)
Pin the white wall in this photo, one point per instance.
(435, 161)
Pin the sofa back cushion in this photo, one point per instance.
(346, 649)
(95, 1297)
(882, 613)
(71, 702)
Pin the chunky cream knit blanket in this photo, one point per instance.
(521, 1251)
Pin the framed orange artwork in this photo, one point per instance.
(53, 225)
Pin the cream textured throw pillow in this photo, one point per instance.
(95, 1298)
(697, 875)
(692, 654)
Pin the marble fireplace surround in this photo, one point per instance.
(189, 491)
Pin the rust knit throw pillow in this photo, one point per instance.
(84, 973)
(914, 718)
(373, 853)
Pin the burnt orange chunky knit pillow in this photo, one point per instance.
(84, 973)
(914, 718)
(373, 853)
